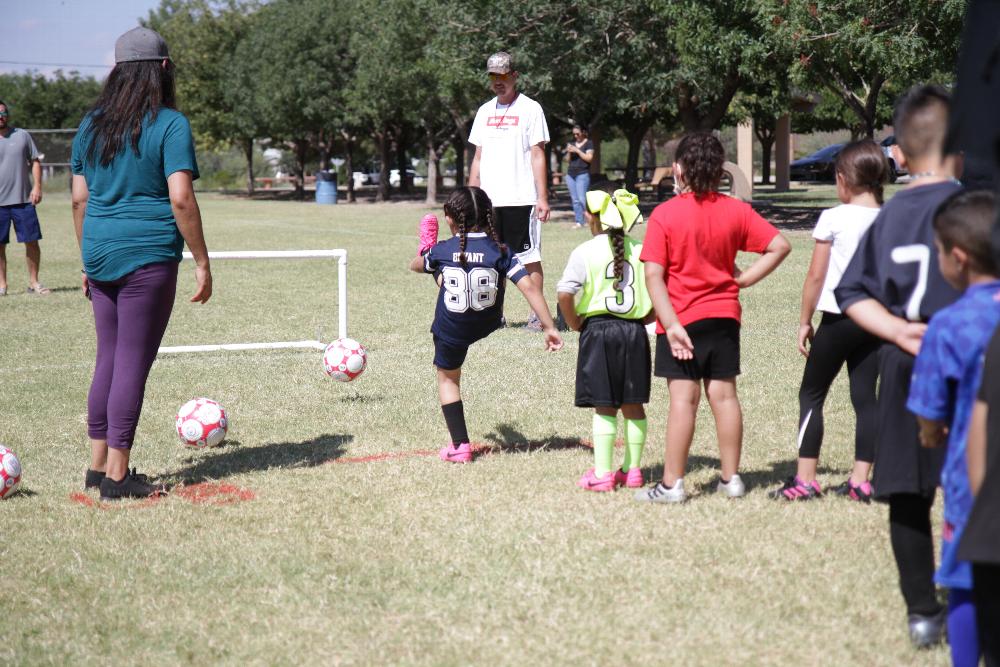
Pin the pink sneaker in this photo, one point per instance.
(460, 454)
(591, 482)
(632, 479)
(428, 233)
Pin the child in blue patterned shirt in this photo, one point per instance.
(946, 376)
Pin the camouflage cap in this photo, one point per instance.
(500, 63)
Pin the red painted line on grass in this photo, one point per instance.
(205, 493)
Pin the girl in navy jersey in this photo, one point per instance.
(470, 268)
(861, 170)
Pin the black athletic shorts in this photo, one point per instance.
(716, 343)
(613, 365)
(519, 228)
(901, 464)
(448, 357)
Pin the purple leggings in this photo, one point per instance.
(130, 315)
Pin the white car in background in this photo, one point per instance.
(895, 171)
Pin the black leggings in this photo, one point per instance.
(839, 339)
(986, 595)
(913, 548)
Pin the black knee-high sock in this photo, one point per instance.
(913, 548)
(454, 417)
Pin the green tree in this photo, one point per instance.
(56, 102)
(855, 48)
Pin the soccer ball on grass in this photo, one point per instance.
(10, 472)
(201, 422)
(345, 359)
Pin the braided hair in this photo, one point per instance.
(616, 238)
(472, 211)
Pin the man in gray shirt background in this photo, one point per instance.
(18, 197)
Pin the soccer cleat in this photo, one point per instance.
(734, 489)
(133, 485)
(93, 478)
(591, 482)
(534, 324)
(862, 493)
(662, 493)
(631, 479)
(460, 454)
(926, 631)
(795, 489)
(428, 233)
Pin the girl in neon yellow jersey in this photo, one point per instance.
(602, 294)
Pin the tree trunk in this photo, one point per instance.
(349, 166)
(765, 160)
(458, 144)
(432, 169)
(300, 167)
(383, 174)
(401, 161)
(247, 145)
(595, 138)
(635, 135)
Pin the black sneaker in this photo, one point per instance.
(926, 631)
(93, 479)
(133, 485)
(862, 493)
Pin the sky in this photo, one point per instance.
(65, 34)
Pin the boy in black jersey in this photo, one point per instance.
(891, 288)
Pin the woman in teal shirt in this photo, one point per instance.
(133, 208)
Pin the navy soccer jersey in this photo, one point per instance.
(470, 303)
(896, 262)
(946, 377)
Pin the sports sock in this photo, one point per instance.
(605, 430)
(962, 628)
(635, 440)
(454, 417)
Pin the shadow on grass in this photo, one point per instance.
(21, 493)
(790, 217)
(234, 459)
(509, 439)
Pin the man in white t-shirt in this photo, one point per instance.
(510, 134)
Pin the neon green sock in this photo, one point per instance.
(605, 430)
(635, 440)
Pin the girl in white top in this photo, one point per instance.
(862, 171)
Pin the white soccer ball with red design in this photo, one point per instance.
(202, 422)
(345, 359)
(10, 472)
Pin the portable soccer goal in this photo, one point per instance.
(339, 254)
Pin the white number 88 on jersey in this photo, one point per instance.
(476, 289)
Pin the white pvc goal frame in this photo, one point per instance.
(341, 257)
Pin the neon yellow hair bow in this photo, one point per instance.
(615, 211)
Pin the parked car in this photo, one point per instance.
(895, 171)
(818, 166)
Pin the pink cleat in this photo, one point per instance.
(460, 454)
(428, 233)
(591, 482)
(632, 479)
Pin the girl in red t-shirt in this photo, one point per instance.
(690, 265)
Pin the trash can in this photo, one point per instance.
(326, 187)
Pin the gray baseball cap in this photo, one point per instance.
(500, 63)
(140, 44)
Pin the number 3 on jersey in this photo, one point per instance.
(623, 301)
(476, 289)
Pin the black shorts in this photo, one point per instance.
(518, 227)
(448, 357)
(612, 367)
(901, 464)
(716, 343)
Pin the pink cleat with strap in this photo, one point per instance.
(428, 233)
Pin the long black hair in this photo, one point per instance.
(472, 211)
(133, 91)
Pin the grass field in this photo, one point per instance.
(347, 544)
